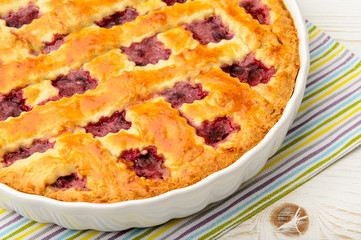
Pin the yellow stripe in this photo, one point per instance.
(2, 211)
(175, 222)
(329, 92)
(327, 60)
(311, 139)
(315, 34)
(92, 234)
(31, 231)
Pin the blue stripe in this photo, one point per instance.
(323, 49)
(134, 233)
(321, 119)
(329, 78)
(16, 226)
(272, 188)
(67, 234)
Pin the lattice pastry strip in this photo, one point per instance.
(13, 14)
(177, 39)
(71, 16)
(11, 46)
(9, 7)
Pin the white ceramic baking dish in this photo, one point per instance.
(177, 203)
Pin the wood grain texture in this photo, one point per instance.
(332, 199)
(340, 19)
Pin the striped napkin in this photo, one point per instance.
(327, 126)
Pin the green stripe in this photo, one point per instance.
(308, 133)
(328, 52)
(145, 233)
(319, 164)
(311, 30)
(76, 235)
(332, 83)
(20, 230)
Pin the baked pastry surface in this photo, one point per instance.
(108, 101)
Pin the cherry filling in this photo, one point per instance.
(53, 45)
(107, 125)
(118, 18)
(146, 163)
(210, 30)
(172, 2)
(184, 92)
(12, 105)
(216, 131)
(250, 71)
(77, 81)
(22, 16)
(70, 181)
(257, 10)
(25, 152)
(149, 51)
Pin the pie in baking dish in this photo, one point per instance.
(107, 101)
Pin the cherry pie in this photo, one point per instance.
(114, 100)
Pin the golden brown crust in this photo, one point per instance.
(137, 89)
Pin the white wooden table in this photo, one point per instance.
(330, 202)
